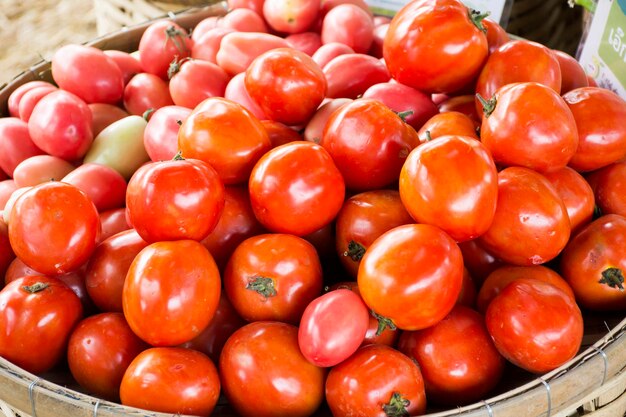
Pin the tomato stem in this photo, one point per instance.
(262, 285)
(176, 36)
(178, 156)
(36, 287)
(147, 113)
(355, 251)
(613, 277)
(477, 19)
(404, 114)
(396, 407)
(427, 136)
(488, 105)
(383, 323)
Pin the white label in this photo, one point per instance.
(390, 7)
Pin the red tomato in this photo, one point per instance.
(99, 350)
(314, 129)
(376, 381)
(478, 261)
(576, 194)
(307, 42)
(6, 252)
(61, 125)
(7, 187)
(243, 20)
(30, 100)
(380, 31)
(15, 97)
(207, 45)
(54, 227)
(204, 26)
(573, 75)
(103, 115)
(348, 24)
(171, 292)
(225, 135)
(108, 266)
(262, 360)
(435, 46)
(609, 188)
(144, 92)
(531, 225)
(325, 53)
(412, 275)
(369, 143)
(496, 35)
(287, 84)
(327, 5)
(40, 169)
(195, 81)
(516, 320)
(37, 312)
(350, 75)
(16, 144)
(171, 380)
(451, 182)
(171, 200)
(160, 43)
(112, 222)
(279, 133)
(161, 135)
(236, 91)
(594, 261)
(467, 296)
(463, 104)
(598, 113)
(256, 5)
(448, 123)
(291, 16)
(457, 358)
(238, 49)
(296, 188)
(127, 63)
(103, 185)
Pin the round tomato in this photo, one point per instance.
(350, 25)
(146, 92)
(161, 135)
(576, 193)
(291, 16)
(478, 261)
(16, 144)
(238, 49)
(243, 20)
(349, 75)
(448, 123)
(609, 188)
(194, 80)
(103, 185)
(104, 115)
(160, 43)
(16, 96)
(39, 169)
(112, 222)
(573, 75)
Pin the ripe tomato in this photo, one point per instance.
(194, 80)
(206, 46)
(594, 261)
(39, 169)
(103, 115)
(291, 16)
(243, 20)
(99, 350)
(573, 75)
(146, 92)
(348, 24)
(350, 75)
(127, 63)
(496, 35)
(609, 188)
(262, 360)
(463, 104)
(54, 227)
(112, 222)
(236, 91)
(6, 251)
(307, 42)
(103, 185)
(37, 316)
(516, 320)
(273, 277)
(325, 53)
(161, 135)
(7, 187)
(457, 358)
(376, 381)
(452, 183)
(576, 194)
(171, 292)
(380, 31)
(314, 129)
(256, 5)
(531, 225)
(16, 144)
(15, 97)
(160, 43)
(171, 380)
(435, 46)
(30, 100)
(412, 275)
(280, 133)
(478, 261)
(296, 188)
(448, 123)
(171, 200)
(238, 49)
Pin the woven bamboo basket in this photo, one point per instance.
(591, 384)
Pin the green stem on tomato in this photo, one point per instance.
(613, 277)
(396, 407)
(488, 105)
(355, 251)
(477, 19)
(36, 287)
(262, 285)
(383, 323)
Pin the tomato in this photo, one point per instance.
(108, 266)
(307, 42)
(573, 75)
(463, 104)
(103, 115)
(376, 381)
(6, 251)
(609, 188)
(467, 296)
(452, 183)
(296, 188)
(7, 187)
(280, 133)
(412, 275)
(348, 24)
(225, 135)
(350, 75)
(501, 277)
(99, 350)
(478, 261)
(256, 5)
(531, 225)
(207, 45)
(40, 169)
(496, 35)
(160, 138)
(54, 227)
(287, 84)
(401, 98)
(89, 73)
(448, 123)
(243, 20)
(203, 27)
(314, 129)
(36, 312)
(144, 92)
(128, 64)
(594, 261)
(238, 49)
(15, 97)
(103, 185)
(602, 137)
(160, 43)
(236, 91)
(262, 360)
(61, 125)
(369, 143)
(171, 292)
(576, 194)
(327, 5)
(112, 222)
(516, 321)
(325, 53)
(458, 360)
(291, 16)
(380, 31)
(171, 380)
(362, 219)
(30, 100)
(195, 81)
(435, 46)
(16, 144)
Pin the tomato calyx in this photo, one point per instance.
(488, 105)
(613, 277)
(35, 288)
(396, 407)
(383, 323)
(404, 114)
(176, 36)
(355, 251)
(477, 19)
(427, 136)
(147, 113)
(262, 285)
(175, 66)
(178, 156)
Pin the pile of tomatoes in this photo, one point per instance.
(300, 203)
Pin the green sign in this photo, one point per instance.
(612, 48)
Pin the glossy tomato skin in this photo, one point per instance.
(349, 75)
(478, 261)
(518, 132)
(516, 320)
(16, 144)
(16, 96)
(188, 291)
(496, 35)
(576, 193)
(369, 143)
(348, 24)
(196, 81)
(178, 199)
(457, 358)
(249, 365)
(593, 262)
(461, 46)
(371, 380)
(37, 311)
(314, 130)
(160, 43)
(102, 184)
(273, 277)
(280, 133)
(296, 188)
(447, 123)
(573, 75)
(412, 275)
(127, 63)
(30, 100)
(41, 168)
(146, 91)
(291, 16)
(238, 49)
(99, 350)
(171, 380)
(112, 222)
(609, 188)
(161, 135)
(54, 228)
(439, 177)
(531, 225)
